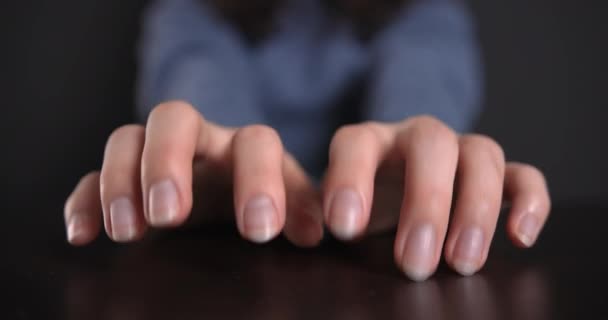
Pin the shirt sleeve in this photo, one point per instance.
(427, 62)
(186, 52)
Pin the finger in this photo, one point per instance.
(121, 184)
(354, 155)
(430, 150)
(82, 212)
(527, 191)
(259, 192)
(304, 215)
(480, 182)
(175, 134)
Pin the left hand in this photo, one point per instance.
(406, 174)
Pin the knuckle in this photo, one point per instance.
(259, 133)
(125, 131)
(528, 170)
(483, 144)
(429, 128)
(90, 177)
(173, 107)
(427, 121)
(366, 133)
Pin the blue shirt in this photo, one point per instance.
(426, 61)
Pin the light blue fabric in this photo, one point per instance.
(425, 62)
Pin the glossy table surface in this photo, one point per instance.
(210, 273)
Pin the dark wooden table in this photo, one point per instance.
(210, 273)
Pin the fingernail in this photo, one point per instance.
(74, 228)
(345, 209)
(467, 251)
(260, 219)
(419, 252)
(163, 203)
(122, 219)
(527, 230)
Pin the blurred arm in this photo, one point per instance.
(428, 62)
(188, 53)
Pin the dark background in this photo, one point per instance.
(67, 72)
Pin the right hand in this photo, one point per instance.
(149, 172)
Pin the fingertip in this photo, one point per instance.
(465, 268)
(527, 189)
(305, 233)
(468, 251)
(417, 275)
(125, 218)
(163, 204)
(345, 215)
(260, 219)
(79, 229)
(82, 211)
(526, 221)
(419, 256)
(310, 240)
(525, 229)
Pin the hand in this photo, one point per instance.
(149, 174)
(413, 174)
(178, 148)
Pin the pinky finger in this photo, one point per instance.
(82, 211)
(527, 191)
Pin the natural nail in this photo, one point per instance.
(74, 227)
(163, 203)
(260, 219)
(527, 230)
(419, 252)
(344, 213)
(122, 219)
(468, 250)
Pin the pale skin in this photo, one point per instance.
(417, 175)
